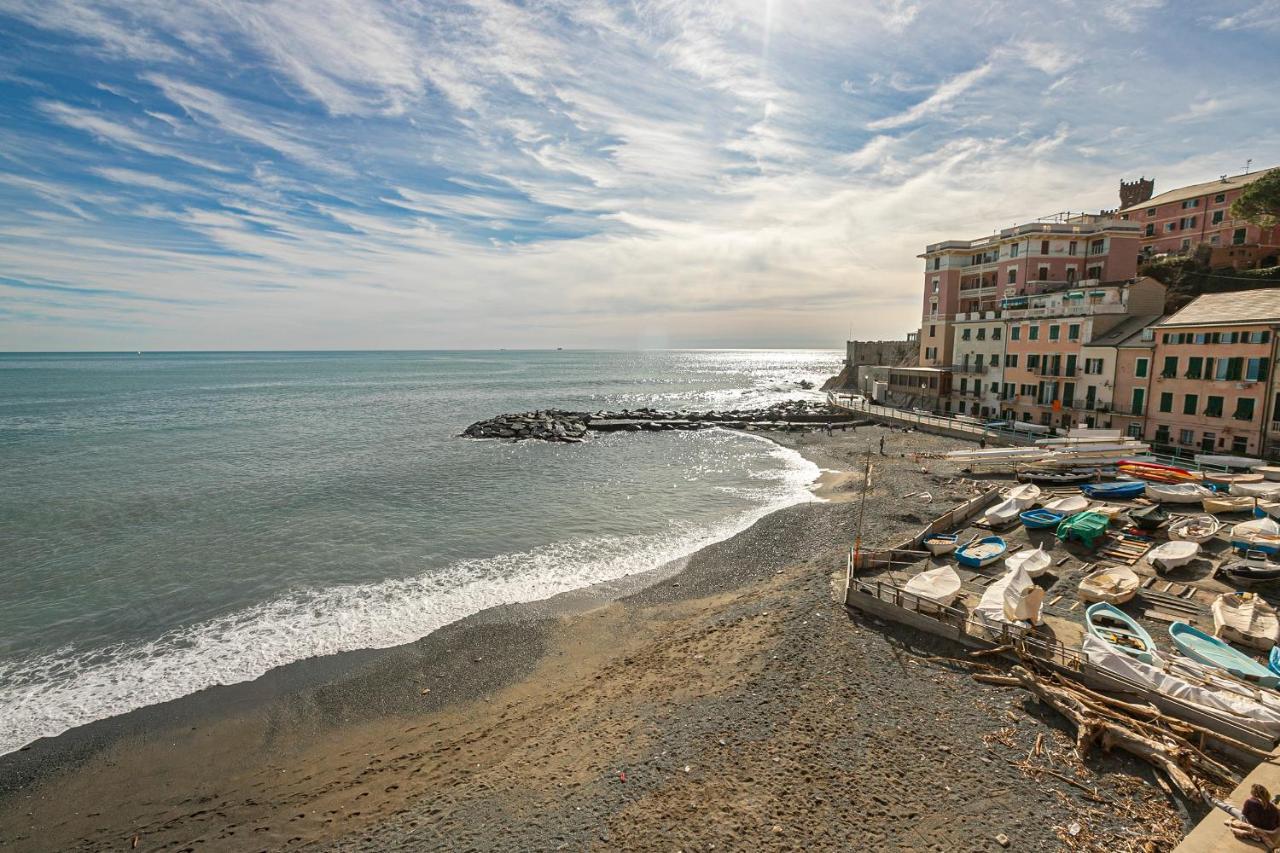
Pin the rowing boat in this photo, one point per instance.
(1119, 630)
(1223, 503)
(1199, 646)
(1113, 584)
(1118, 490)
(1024, 496)
(984, 552)
(1264, 489)
(1195, 528)
(941, 543)
(941, 586)
(1069, 505)
(1034, 563)
(1039, 519)
(1178, 493)
(1170, 555)
(1260, 534)
(1244, 618)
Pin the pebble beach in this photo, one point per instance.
(730, 703)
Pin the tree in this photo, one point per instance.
(1260, 201)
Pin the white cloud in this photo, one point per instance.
(941, 99)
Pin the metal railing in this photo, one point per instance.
(920, 419)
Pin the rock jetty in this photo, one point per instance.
(558, 425)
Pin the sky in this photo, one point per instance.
(332, 174)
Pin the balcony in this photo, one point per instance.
(968, 368)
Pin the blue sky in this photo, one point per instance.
(338, 173)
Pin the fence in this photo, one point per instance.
(931, 423)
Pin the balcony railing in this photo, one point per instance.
(969, 368)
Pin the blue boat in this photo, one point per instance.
(1038, 519)
(1211, 651)
(981, 553)
(1273, 660)
(1118, 490)
(1118, 629)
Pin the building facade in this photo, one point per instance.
(977, 372)
(927, 388)
(1179, 221)
(1115, 373)
(1212, 384)
(967, 276)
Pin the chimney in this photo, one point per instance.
(1136, 192)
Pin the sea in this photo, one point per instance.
(173, 521)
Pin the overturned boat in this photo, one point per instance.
(1113, 584)
(1171, 555)
(1177, 493)
(941, 586)
(1069, 505)
(1034, 563)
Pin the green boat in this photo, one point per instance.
(1086, 527)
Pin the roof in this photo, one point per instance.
(1129, 329)
(1236, 307)
(1232, 182)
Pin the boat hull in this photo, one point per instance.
(1125, 635)
(982, 553)
(1213, 652)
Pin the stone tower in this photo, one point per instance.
(1136, 192)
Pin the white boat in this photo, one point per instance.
(1034, 563)
(1002, 513)
(1244, 618)
(1025, 496)
(1170, 555)
(1194, 528)
(941, 543)
(1262, 534)
(1069, 505)
(1177, 493)
(1265, 489)
(1225, 503)
(1271, 508)
(940, 586)
(1271, 472)
(1014, 598)
(1113, 584)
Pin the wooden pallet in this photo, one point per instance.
(1125, 548)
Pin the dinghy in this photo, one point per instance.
(1002, 513)
(941, 586)
(1170, 555)
(1177, 493)
(1149, 517)
(1232, 479)
(984, 552)
(1113, 584)
(1261, 534)
(1116, 628)
(1244, 618)
(1201, 647)
(1254, 568)
(1119, 490)
(1069, 505)
(1265, 489)
(1014, 598)
(1268, 508)
(941, 543)
(1270, 472)
(1024, 496)
(1195, 528)
(1034, 563)
(1223, 503)
(1039, 519)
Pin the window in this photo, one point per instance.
(1237, 238)
(1186, 223)
(1044, 247)
(1206, 442)
(1186, 436)
(1015, 332)
(1219, 198)
(1162, 434)
(1239, 444)
(1134, 430)
(1190, 404)
(1151, 211)
(1097, 247)
(1170, 227)
(1166, 401)
(1042, 274)
(1013, 250)
(1054, 332)
(1140, 368)
(1071, 247)
(1259, 337)
(933, 330)
(1011, 360)
(935, 284)
(1139, 401)
(1195, 364)
(1217, 218)
(994, 360)
(995, 333)
(1256, 370)
(1013, 275)
(1071, 366)
(1190, 203)
(964, 334)
(1151, 232)
(982, 334)
(937, 263)
(1235, 368)
(1170, 369)
(1093, 272)
(1033, 361)
(1033, 333)
(1073, 332)
(1213, 407)
(1244, 409)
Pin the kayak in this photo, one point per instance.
(1118, 629)
(1201, 647)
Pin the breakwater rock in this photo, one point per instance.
(558, 425)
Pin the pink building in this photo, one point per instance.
(1181, 220)
(1120, 362)
(974, 276)
(1046, 378)
(1212, 374)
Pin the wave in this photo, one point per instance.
(48, 695)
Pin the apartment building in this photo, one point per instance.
(977, 373)
(1122, 360)
(927, 388)
(1180, 220)
(967, 276)
(1045, 379)
(1212, 389)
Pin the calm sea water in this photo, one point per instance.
(173, 521)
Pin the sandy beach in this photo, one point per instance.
(729, 703)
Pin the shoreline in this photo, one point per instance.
(512, 727)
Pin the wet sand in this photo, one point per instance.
(733, 704)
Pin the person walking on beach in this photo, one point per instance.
(882, 445)
(1259, 820)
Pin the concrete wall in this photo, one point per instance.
(889, 353)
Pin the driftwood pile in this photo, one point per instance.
(1174, 747)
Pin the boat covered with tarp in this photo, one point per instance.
(941, 586)
(1087, 527)
(1245, 618)
(1118, 490)
(1112, 584)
